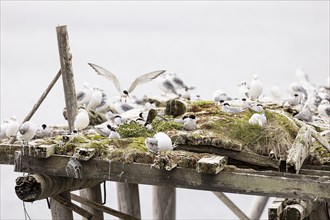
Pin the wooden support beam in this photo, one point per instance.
(276, 208)
(237, 211)
(67, 74)
(299, 150)
(93, 194)
(257, 207)
(236, 180)
(59, 210)
(211, 164)
(129, 199)
(7, 153)
(68, 204)
(102, 208)
(38, 151)
(164, 202)
(34, 187)
(248, 157)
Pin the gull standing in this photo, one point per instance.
(231, 109)
(113, 133)
(13, 127)
(256, 87)
(243, 90)
(82, 120)
(138, 81)
(26, 132)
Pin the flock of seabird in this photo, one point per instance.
(311, 103)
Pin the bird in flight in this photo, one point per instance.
(138, 81)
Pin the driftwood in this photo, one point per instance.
(300, 150)
(84, 153)
(67, 74)
(38, 151)
(237, 211)
(269, 183)
(37, 186)
(102, 208)
(129, 199)
(7, 153)
(164, 202)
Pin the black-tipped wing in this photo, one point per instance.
(145, 78)
(107, 74)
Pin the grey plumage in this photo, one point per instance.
(138, 81)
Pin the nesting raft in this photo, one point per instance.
(219, 156)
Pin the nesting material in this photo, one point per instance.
(211, 164)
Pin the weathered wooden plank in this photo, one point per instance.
(276, 208)
(129, 199)
(211, 164)
(37, 186)
(268, 183)
(248, 157)
(38, 151)
(102, 208)
(68, 204)
(7, 153)
(60, 211)
(300, 150)
(164, 202)
(67, 74)
(237, 211)
(93, 194)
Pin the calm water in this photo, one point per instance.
(212, 45)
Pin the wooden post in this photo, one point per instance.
(60, 211)
(129, 199)
(237, 211)
(92, 194)
(257, 207)
(67, 74)
(164, 202)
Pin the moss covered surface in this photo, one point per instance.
(214, 127)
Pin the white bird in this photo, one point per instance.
(258, 119)
(42, 132)
(95, 98)
(296, 88)
(84, 95)
(295, 100)
(189, 123)
(323, 94)
(257, 108)
(305, 114)
(256, 87)
(113, 133)
(81, 120)
(138, 81)
(160, 142)
(243, 90)
(219, 95)
(26, 132)
(231, 109)
(13, 127)
(276, 92)
(3, 129)
(117, 120)
(121, 107)
(324, 109)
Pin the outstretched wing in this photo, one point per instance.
(145, 78)
(107, 74)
